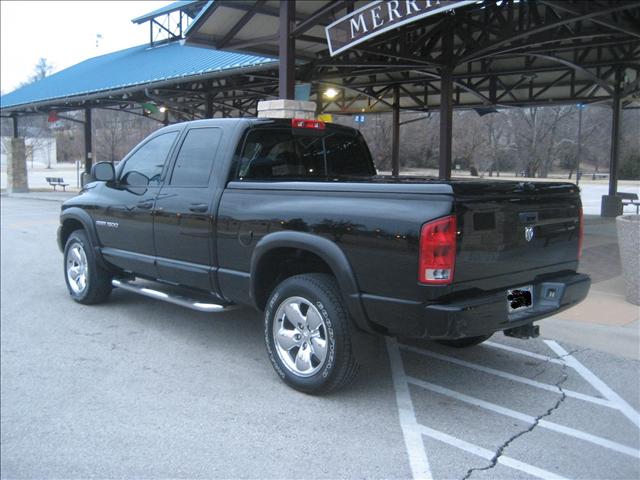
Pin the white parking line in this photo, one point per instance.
(408, 423)
(410, 427)
(510, 376)
(524, 352)
(488, 454)
(626, 409)
(572, 432)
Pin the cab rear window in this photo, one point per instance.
(274, 154)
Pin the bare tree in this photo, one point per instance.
(115, 133)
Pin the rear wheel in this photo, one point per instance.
(87, 282)
(464, 342)
(308, 334)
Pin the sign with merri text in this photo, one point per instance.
(381, 16)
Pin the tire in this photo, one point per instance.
(464, 342)
(91, 284)
(304, 313)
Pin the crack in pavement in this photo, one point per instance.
(543, 364)
(500, 451)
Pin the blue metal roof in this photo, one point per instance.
(142, 65)
(172, 7)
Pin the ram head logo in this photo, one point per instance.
(528, 233)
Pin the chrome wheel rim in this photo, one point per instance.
(300, 336)
(77, 270)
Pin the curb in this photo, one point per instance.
(31, 196)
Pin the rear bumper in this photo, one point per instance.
(476, 315)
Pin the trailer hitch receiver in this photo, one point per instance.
(525, 331)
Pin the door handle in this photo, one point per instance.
(145, 205)
(198, 207)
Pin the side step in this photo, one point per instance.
(191, 303)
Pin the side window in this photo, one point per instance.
(149, 159)
(195, 159)
(273, 154)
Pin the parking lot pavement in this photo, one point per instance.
(139, 388)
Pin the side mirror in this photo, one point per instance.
(103, 172)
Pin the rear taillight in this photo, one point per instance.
(580, 233)
(437, 251)
(305, 123)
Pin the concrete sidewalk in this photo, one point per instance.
(605, 320)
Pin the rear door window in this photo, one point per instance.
(195, 159)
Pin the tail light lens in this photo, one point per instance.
(437, 251)
(580, 233)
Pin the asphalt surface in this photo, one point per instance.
(140, 388)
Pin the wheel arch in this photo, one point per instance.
(73, 219)
(313, 247)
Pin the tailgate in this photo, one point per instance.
(510, 227)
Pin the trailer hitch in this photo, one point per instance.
(525, 331)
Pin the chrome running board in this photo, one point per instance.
(191, 303)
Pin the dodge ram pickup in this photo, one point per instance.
(290, 217)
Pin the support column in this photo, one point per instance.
(286, 68)
(611, 205)
(395, 140)
(446, 105)
(319, 101)
(579, 152)
(615, 139)
(209, 106)
(17, 178)
(88, 157)
(446, 124)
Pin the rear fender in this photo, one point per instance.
(329, 252)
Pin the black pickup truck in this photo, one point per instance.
(290, 217)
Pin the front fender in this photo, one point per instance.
(82, 217)
(329, 252)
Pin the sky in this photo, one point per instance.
(65, 33)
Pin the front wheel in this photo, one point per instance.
(88, 283)
(308, 334)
